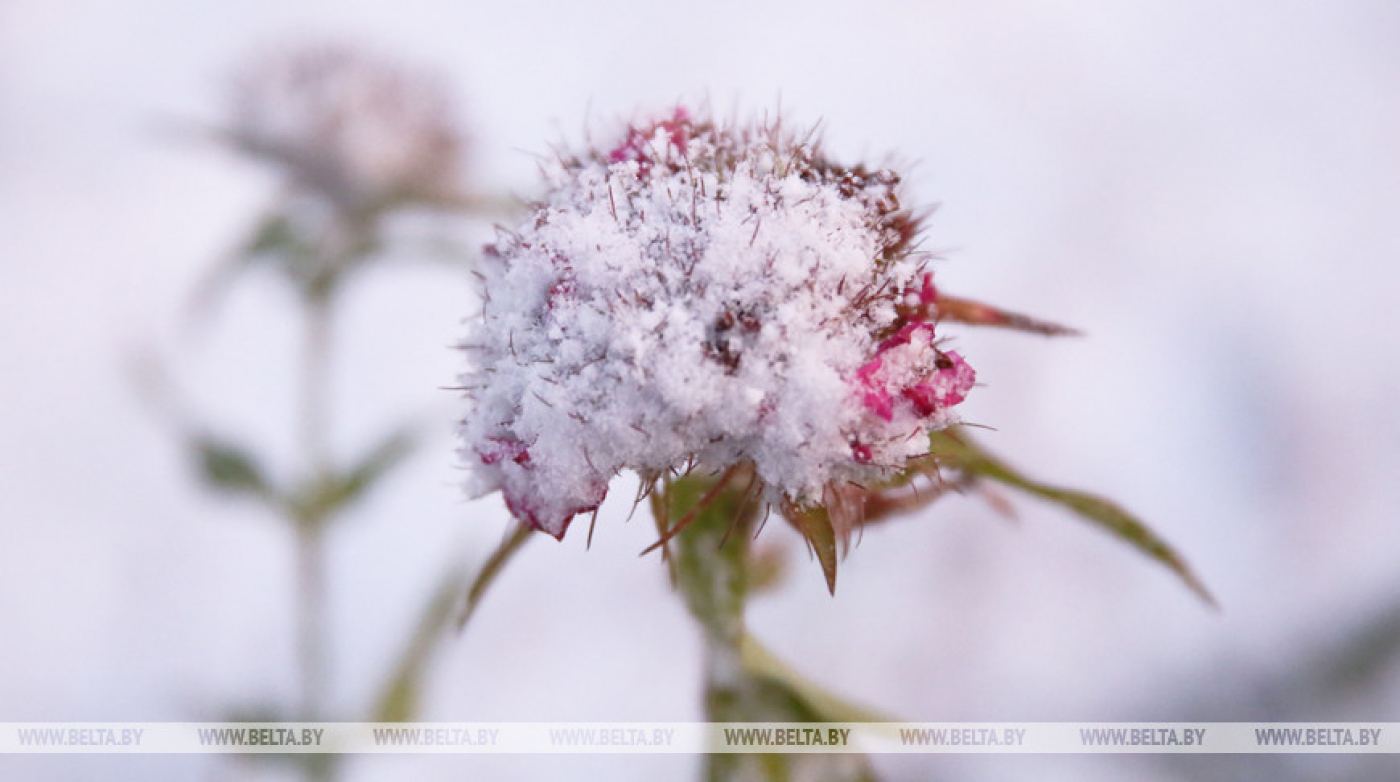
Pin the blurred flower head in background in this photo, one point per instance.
(357, 139)
(359, 130)
(702, 295)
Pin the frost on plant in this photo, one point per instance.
(696, 295)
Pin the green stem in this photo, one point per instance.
(710, 566)
(710, 563)
(315, 377)
(310, 525)
(311, 592)
(311, 635)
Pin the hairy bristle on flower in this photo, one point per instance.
(700, 294)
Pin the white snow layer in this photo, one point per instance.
(701, 296)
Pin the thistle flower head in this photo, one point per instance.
(696, 295)
(349, 126)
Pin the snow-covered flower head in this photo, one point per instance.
(696, 295)
(350, 126)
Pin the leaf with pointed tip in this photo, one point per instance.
(954, 449)
(274, 234)
(815, 526)
(230, 468)
(975, 313)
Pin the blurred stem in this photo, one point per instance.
(311, 523)
(311, 591)
(314, 380)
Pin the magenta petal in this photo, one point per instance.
(942, 388)
(879, 402)
(553, 522)
(494, 449)
(924, 397)
(874, 397)
(905, 335)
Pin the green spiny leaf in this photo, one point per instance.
(953, 448)
(815, 525)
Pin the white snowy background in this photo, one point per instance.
(1210, 190)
